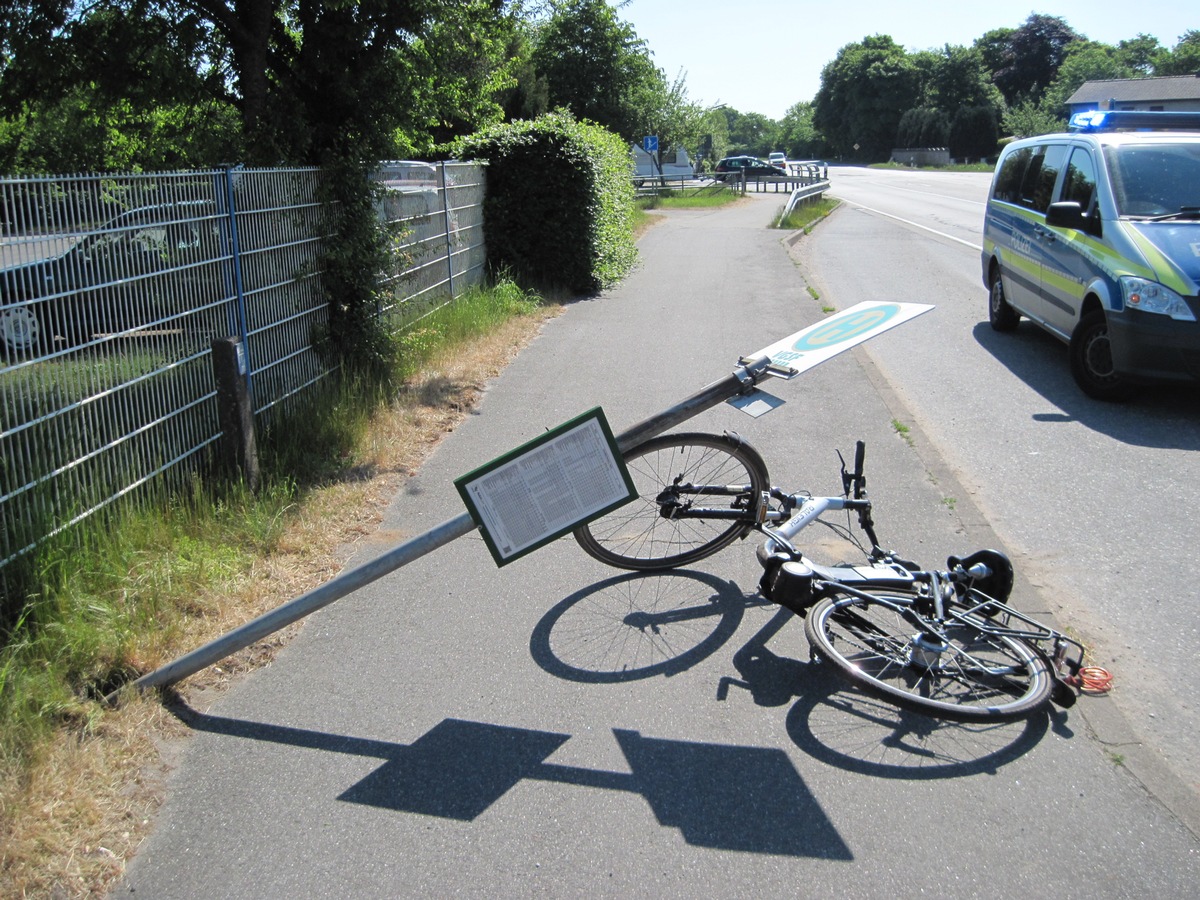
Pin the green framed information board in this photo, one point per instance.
(547, 487)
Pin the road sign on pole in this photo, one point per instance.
(650, 143)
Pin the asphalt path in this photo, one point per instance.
(456, 728)
(1094, 500)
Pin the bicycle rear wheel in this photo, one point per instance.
(677, 475)
(956, 670)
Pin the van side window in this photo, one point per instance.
(1012, 171)
(1080, 184)
(1038, 185)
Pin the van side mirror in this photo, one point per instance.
(1066, 214)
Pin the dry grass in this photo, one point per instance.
(92, 798)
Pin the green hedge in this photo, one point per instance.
(559, 207)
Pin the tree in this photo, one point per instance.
(974, 132)
(923, 126)
(457, 76)
(751, 134)
(993, 47)
(595, 66)
(798, 137)
(1139, 54)
(959, 78)
(715, 125)
(1085, 61)
(679, 122)
(960, 107)
(1031, 60)
(70, 103)
(863, 94)
(1029, 119)
(1183, 59)
(309, 78)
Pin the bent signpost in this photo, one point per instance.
(783, 359)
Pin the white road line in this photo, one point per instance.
(948, 237)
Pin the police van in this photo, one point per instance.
(1094, 235)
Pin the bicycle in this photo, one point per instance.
(941, 642)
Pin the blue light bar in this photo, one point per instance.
(1091, 120)
(1131, 119)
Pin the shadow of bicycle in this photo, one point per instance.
(847, 728)
(640, 625)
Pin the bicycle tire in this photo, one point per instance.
(638, 536)
(871, 640)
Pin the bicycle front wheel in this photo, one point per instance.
(956, 670)
(678, 477)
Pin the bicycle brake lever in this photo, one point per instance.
(847, 479)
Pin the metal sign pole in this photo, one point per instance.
(403, 554)
(800, 351)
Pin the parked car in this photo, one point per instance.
(779, 160)
(104, 281)
(731, 167)
(1094, 235)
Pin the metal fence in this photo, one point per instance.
(112, 289)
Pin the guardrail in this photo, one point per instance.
(800, 175)
(807, 192)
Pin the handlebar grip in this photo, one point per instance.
(860, 456)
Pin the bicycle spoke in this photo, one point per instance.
(956, 670)
(678, 478)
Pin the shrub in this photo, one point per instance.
(559, 207)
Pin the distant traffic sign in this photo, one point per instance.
(650, 143)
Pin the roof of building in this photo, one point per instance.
(1131, 90)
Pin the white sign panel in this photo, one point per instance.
(840, 332)
(547, 487)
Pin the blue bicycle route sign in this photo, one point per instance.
(829, 337)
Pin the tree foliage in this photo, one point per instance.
(305, 79)
(798, 136)
(1182, 59)
(864, 92)
(1031, 59)
(595, 65)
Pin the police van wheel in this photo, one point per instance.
(1092, 362)
(1001, 316)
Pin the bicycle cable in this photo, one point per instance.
(1091, 680)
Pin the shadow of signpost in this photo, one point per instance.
(749, 799)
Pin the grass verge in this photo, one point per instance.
(79, 782)
(807, 214)
(956, 167)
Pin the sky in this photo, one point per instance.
(770, 57)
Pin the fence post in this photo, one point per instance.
(228, 207)
(239, 448)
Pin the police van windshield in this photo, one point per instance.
(1155, 180)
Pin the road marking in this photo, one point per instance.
(948, 237)
(941, 196)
